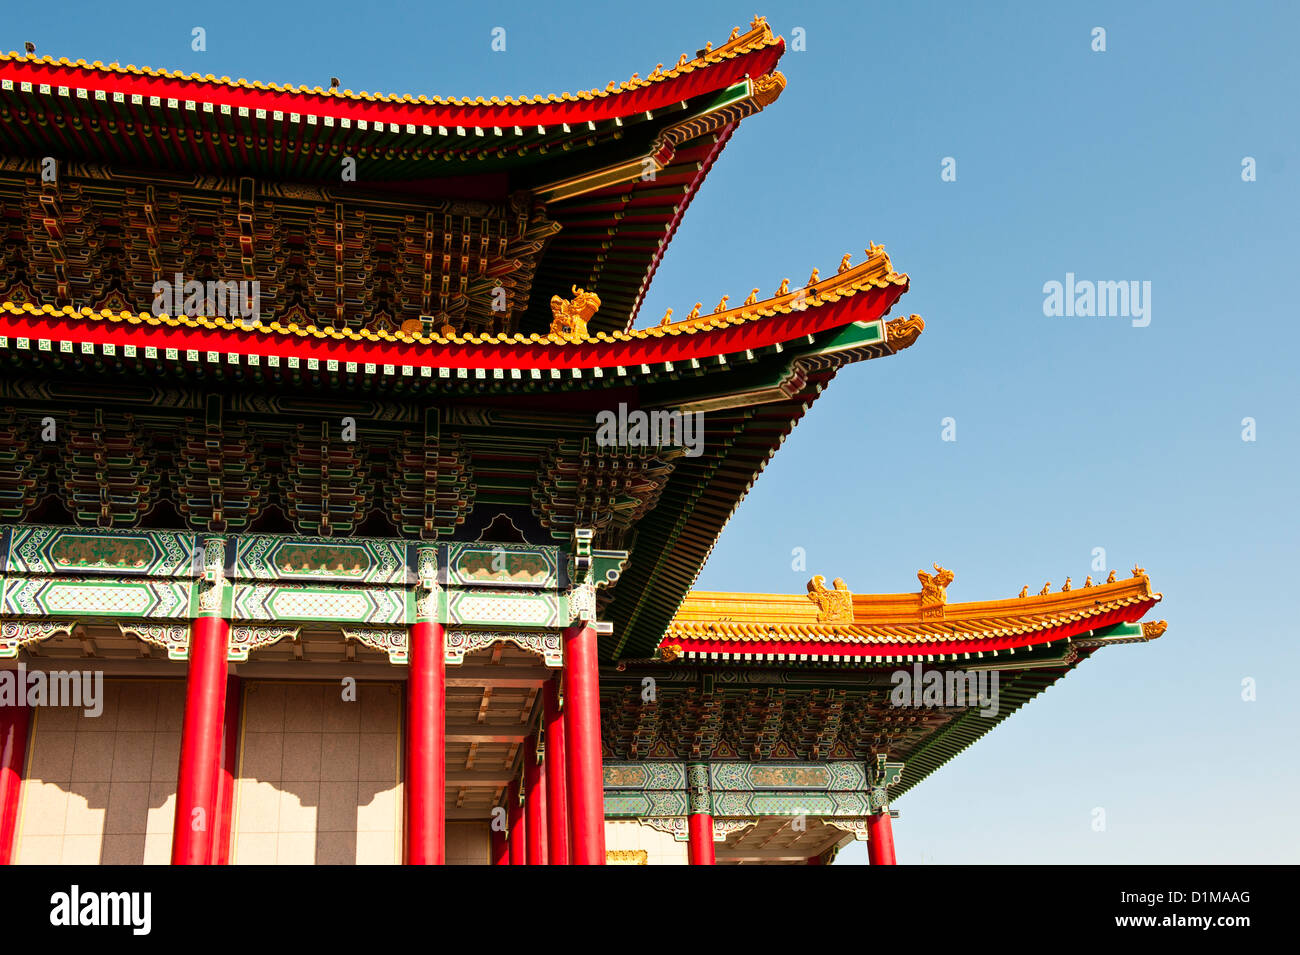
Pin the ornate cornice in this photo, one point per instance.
(16, 634)
(547, 644)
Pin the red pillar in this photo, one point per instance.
(426, 744)
(221, 833)
(14, 721)
(557, 797)
(500, 847)
(535, 803)
(201, 743)
(582, 741)
(701, 838)
(880, 839)
(517, 825)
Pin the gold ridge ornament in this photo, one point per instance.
(571, 316)
(934, 590)
(833, 606)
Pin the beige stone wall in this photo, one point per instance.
(630, 836)
(103, 790)
(469, 843)
(319, 779)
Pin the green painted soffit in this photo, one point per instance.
(634, 140)
(656, 589)
(1014, 691)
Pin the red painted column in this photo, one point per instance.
(700, 847)
(535, 803)
(699, 815)
(14, 723)
(582, 742)
(557, 796)
(201, 743)
(517, 825)
(880, 839)
(500, 847)
(221, 833)
(426, 746)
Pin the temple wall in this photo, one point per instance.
(469, 843)
(629, 836)
(319, 779)
(102, 790)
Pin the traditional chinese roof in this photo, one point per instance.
(610, 171)
(870, 628)
(755, 370)
(835, 675)
(379, 308)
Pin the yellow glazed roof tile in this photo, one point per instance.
(895, 618)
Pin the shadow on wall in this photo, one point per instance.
(102, 790)
(319, 777)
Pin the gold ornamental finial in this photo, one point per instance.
(721, 306)
(1087, 582)
(670, 652)
(695, 312)
(1047, 589)
(934, 590)
(845, 262)
(668, 317)
(1024, 591)
(767, 88)
(1139, 571)
(681, 61)
(833, 606)
(570, 317)
(814, 278)
(753, 297)
(735, 32)
(903, 332)
(656, 71)
(1110, 578)
(785, 287)
(1154, 628)
(1066, 588)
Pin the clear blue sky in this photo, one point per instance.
(1073, 433)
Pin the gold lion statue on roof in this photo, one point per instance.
(571, 316)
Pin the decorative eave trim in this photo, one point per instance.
(177, 90)
(862, 296)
